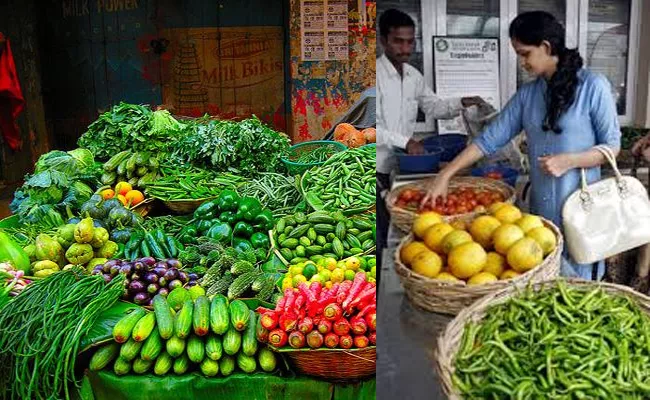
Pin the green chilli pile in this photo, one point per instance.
(346, 181)
(560, 342)
(42, 330)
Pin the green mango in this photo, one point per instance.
(84, 231)
(48, 249)
(66, 235)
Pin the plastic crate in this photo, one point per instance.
(508, 175)
(297, 150)
(452, 144)
(429, 162)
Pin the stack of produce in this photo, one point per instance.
(107, 213)
(230, 219)
(501, 245)
(214, 336)
(125, 193)
(61, 181)
(146, 278)
(341, 317)
(78, 244)
(137, 168)
(42, 331)
(346, 181)
(301, 237)
(327, 271)
(155, 243)
(458, 201)
(350, 136)
(557, 342)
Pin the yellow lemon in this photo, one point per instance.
(434, 235)
(525, 254)
(505, 236)
(509, 274)
(495, 206)
(338, 275)
(544, 237)
(495, 264)
(482, 278)
(447, 277)
(329, 263)
(424, 221)
(408, 252)
(528, 222)
(352, 263)
(466, 260)
(298, 279)
(508, 214)
(287, 283)
(453, 239)
(427, 263)
(482, 229)
(349, 275)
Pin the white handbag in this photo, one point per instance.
(607, 217)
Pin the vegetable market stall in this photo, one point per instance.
(200, 255)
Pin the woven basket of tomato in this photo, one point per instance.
(467, 198)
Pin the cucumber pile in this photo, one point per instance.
(137, 168)
(184, 334)
(301, 237)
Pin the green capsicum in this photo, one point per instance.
(228, 216)
(264, 220)
(187, 235)
(228, 200)
(242, 229)
(206, 210)
(241, 245)
(220, 232)
(204, 225)
(249, 207)
(260, 240)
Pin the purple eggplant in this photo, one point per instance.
(135, 276)
(152, 288)
(183, 276)
(111, 263)
(126, 269)
(107, 278)
(174, 263)
(171, 274)
(160, 271)
(163, 292)
(162, 282)
(193, 277)
(141, 298)
(176, 283)
(136, 287)
(192, 283)
(151, 277)
(97, 270)
(149, 261)
(115, 269)
(162, 264)
(106, 268)
(139, 266)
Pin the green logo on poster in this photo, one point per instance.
(442, 45)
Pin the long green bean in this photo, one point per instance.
(551, 344)
(191, 184)
(277, 192)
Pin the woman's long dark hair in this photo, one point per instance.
(532, 28)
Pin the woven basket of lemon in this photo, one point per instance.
(446, 266)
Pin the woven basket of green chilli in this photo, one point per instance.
(334, 364)
(294, 157)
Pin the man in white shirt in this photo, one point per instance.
(401, 91)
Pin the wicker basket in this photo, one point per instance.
(144, 207)
(334, 364)
(451, 297)
(449, 341)
(403, 218)
(185, 206)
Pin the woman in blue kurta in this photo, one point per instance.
(565, 112)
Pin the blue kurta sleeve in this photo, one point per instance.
(604, 117)
(504, 128)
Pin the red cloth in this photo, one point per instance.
(12, 102)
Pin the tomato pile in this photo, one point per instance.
(458, 201)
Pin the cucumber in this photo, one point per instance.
(181, 364)
(354, 242)
(227, 365)
(313, 250)
(297, 260)
(287, 254)
(267, 359)
(290, 243)
(164, 318)
(279, 226)
(249, 339)
(246, 363)
(330, 236)
(300, 250)
(201, 316)
(122, 330)
(183, 322)
(320, 219)
(144, 327)
(219, 317)
(323, 228)
(300, 217)
(362, 225)
(231, 341)
(367, 245)
(151, 347)
(209, 367)
(175, 346)
(340, 231)
(299, 231)
(121, 366)
(321, 240)
(213, 347)
(311, 234)
(239, 315)
(337, 247)
(163, 364)
(355, 251)
(104, 356)
(131, 349)
(363, 236)
(141, 366)
(195, 349)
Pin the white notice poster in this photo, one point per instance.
(465, 67)
(324, 30)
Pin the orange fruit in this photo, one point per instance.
(408, 252)
(482, 229)
(434, 235)
(509, 274)
(524, 255)
(122, 199)
(544, 237)
(107, 194)
(134, 197)
(505, 236)
(507, 214)
(495, 206)
(453, 239)
(528, 222)
(495, 265)
(459, 224)
(427, 263)
(424, 221)
(123, 188)
(466, 260)
(481, 278)
(447, 277)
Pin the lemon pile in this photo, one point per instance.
(328, 271)
(500, 245)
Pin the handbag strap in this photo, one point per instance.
(610, 157)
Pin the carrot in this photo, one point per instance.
(372, 338)
(316, 288)
(296, 340)
(362, 299)
(278, 338)
(344, 289)
(324, 326)
(361, 341)
(315, 339)
(345, 341)
(371, 320)
(289, 299)
(299, 303)
(357, 284)
(269, 320)
(341, 327)
(370, 308)
(332, 312)
(288, 321)
(358, 325)
(311, 299)
(279, 307)
(331, 340)
(261, 310)
(306, 325)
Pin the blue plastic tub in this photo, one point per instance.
(452, 144)
(429, 162)
(509, 175)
